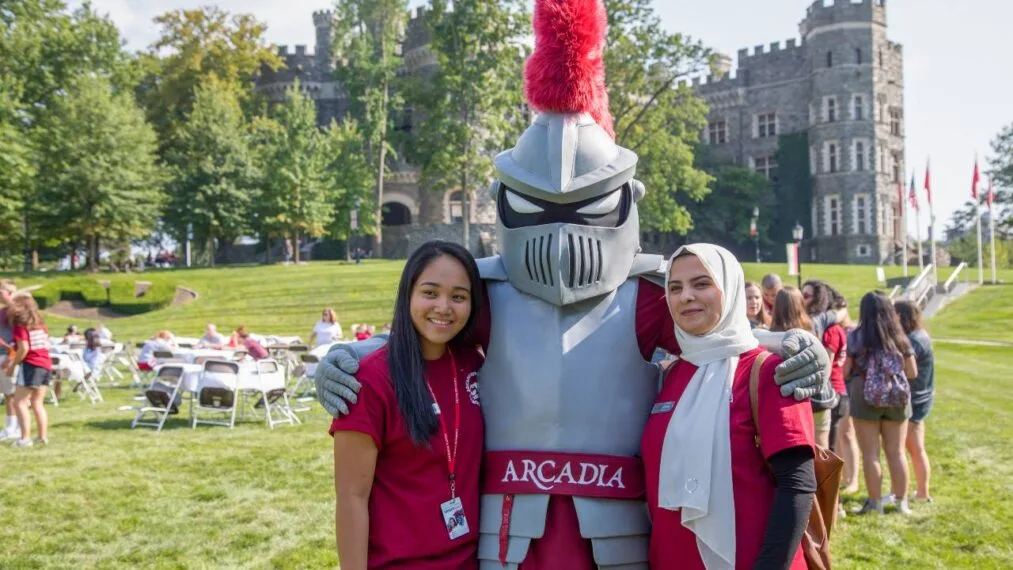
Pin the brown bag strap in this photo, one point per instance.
(754, 391)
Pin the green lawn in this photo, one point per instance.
(985, 314)
(104, 496)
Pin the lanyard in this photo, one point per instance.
(451, 457)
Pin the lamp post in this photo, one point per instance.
(753, 231)
(797, 233)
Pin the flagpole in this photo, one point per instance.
(981, 264)
(991, 226)
(903, 228)
(918, 237)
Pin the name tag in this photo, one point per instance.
(662, 408)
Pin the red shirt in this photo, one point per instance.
(255, 349)
(38, 346)
(406, 528)
(784, 423)
(836, 342)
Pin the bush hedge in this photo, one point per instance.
(120, 297)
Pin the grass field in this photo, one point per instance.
(104, 496)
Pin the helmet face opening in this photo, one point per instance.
(610, 210)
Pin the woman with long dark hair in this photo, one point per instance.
(922, 394)
(820, 298)
(790, 313)
(407, 458)
(879, 352)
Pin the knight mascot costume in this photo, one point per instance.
(575, 313)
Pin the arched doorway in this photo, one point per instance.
(396, 214)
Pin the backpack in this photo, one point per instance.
(829, 472)
(886, 386)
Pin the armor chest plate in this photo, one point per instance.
(568, 378)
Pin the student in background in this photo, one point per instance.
(32, 354)
(757, 313)
(11, 429)
(327, 330)
(922, 394)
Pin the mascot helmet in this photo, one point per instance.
(565, 195)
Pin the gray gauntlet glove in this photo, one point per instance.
(806, 367)
(335, 375)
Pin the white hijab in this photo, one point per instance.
(696, 457)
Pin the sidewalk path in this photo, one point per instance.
(974, 342)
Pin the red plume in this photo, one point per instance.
(566, 73)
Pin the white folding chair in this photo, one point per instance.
(305, 384)
(273, 398)
(216, 393)
(163, 398)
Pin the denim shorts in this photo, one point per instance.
(921, 410)
(32, 376)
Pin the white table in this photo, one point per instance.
(190, 355)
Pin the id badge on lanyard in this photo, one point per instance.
(452, 510)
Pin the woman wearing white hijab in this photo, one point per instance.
(718, 501)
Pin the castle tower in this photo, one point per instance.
(855, 131)
(323, 21)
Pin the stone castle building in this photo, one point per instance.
(842, 86)
(412, 213)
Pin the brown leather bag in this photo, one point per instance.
(829, 471)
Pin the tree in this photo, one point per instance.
(367, 40)
(98, 174)
(472, 104)
(654, 116)
(1001, 173)
(214, 180)
(16, 170)
(296, 199)
(193, 46)
(350, 178)
(723, 216)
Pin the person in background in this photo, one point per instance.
(771, 285)
(327, 330)
(879, 344)
(386, 328)
(922, 394)
(72, 335)
(92, 355)
(790, 313)
(819, 298)
(362, 333)
(162, 341)
(11, 428)
(755, 310)
(104, 334)
(31, 338)
(253, 348)
(212, 338)
(718, 498)
(407, 459)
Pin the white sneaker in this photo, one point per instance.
(902, 506)
(8, 433)
(41, 441)
(23, 443)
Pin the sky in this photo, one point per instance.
(953, 56)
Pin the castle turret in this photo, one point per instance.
(855, 136)
(323, 21)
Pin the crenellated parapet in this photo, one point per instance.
(826, 14)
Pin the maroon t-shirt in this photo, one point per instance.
(38, 346)
(835, 340)
(255, 349)
(784, 423)
(406, 528)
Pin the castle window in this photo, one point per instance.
(456, 209)
(863, 251)
(830, 59)
(832, 158)
(861, 214)
(767, 166)
(859, 156)
(880, 57)
(831, 109)
(717, 132)
(858, 56)
(895, 121)
(858, 108)
(766, 125)
(896, 167)
(833, 216)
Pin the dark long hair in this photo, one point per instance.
(404, 350)
(879, 325)
(825, 298)
(910, 316)
(789, 311)
(92, 339)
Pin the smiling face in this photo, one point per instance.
(807, 295)
(754, 301)
(694, 299)
(440, 304)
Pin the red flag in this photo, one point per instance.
(912, 195)
(928, 186)
(974, 180)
